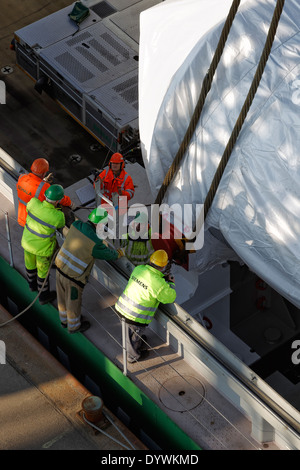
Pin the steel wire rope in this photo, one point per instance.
(27, 308)
(36, 297)
(177, 400)
(121, 347)
(166, 362)
(157, 381)
(241, 118)
(246, 106)
(106, 414)
(42, 286)
(108, 435)
(231, 142)
(206, 85)
(99, 323)
(181, 376)
(145, 369)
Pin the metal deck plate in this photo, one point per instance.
(103, 9)
(182, 393)
(53, 28)
(128, 19)
(120, 98)
(90, 58)
(86, 193)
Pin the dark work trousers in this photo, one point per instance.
(134, 342)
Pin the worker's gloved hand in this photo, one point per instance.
(120, 252)
(73, 206)
(170, 278)
(49, 178)
(95, 172)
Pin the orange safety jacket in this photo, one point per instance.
(29, 186)
(110, 184)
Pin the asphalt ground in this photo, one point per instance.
(39, 400)
(32, 124)
(41, 403)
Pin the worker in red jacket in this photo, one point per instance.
(114, 180)
(33, 185)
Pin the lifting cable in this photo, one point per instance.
(204, 91)
(247, 104)
(206, 85)
(36, 297)
(195, 118)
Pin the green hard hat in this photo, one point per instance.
(55, 192)
(98, 215)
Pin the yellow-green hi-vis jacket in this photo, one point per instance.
(137, 250)
(39, 235)
(146, 288)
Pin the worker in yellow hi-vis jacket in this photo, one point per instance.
(39, 239)
(146, 288)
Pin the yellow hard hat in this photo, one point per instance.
(159, 258)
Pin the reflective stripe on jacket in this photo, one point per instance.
(29, 186)
(111, 184)
(146, 288)
(42, 221)
(139, 250)
(81, 247)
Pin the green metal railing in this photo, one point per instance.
(86, 360)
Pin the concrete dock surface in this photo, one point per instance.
(41, 402)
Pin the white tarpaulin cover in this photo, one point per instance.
(256, 210)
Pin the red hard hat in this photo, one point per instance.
(40, 166)
(117, 158)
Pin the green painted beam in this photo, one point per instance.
(89, 360)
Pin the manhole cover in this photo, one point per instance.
(74, 158)
(7, 69)
(182, 393)
(96, 147)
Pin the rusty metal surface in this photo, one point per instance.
(41, 402)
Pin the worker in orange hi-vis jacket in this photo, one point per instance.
(115, 179)
(32, 185)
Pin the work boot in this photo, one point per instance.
(144, 345)
(45, 295)
(33, 287)
(83, 327)
(48, 297)
(143, 355)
